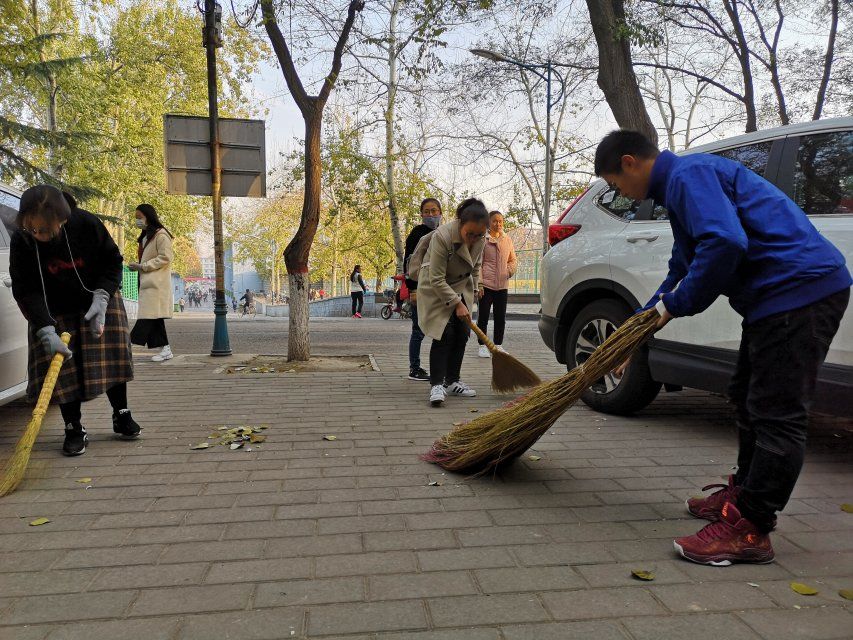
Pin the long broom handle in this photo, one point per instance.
(482, 336)
(50, 379)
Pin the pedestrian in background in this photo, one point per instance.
(356, 291)
(181, 303)
(154, 255)
(430, 219)
(446, 291)
(499, 263)
(66, 272)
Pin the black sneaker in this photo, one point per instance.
(125, 426)
(75, 439)
(418, 374)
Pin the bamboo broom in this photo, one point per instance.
(17, 464)
(482, 445)
(508, 374)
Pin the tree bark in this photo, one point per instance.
(390, 159)
(616, 76)
(827, 62)
(299, 338)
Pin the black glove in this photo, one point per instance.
(52, 342)
(96, 316)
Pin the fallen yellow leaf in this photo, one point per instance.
(84, 480)
(804, 589)
(200, 445)
(847, 508)
(643, 575)
(535, 458)
(330, 438)
(38, 522)
(847, 594)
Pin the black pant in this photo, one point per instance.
(496, 300)
(357, 301)
(772, 390)
(150, 333)
(415, 341)
(445, 355)
(118, 400)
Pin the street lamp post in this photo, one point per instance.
(546, 71)
(212, 39)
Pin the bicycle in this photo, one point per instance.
(389, 309)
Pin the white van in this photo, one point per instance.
(13, 327)
(609, 255)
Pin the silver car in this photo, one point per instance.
(13, 327)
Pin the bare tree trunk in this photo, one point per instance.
(742, 52)
(827, 62)
(616, 76)
(390, 159)
(298, 250)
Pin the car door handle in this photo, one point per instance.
(648, 236)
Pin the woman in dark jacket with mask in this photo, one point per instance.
(66, 272)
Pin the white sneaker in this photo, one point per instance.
(484, 352)
(459, 388)
(500, 348)
(165, 354)
(437, 395)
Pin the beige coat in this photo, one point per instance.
(155, 278)
(453, 272)
(499, 262)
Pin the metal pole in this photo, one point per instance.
(221, 343)
(546, 208)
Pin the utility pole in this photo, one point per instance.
(212, 38)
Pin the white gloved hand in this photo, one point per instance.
(52, 343)
(96, 316)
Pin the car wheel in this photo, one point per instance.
(636, 389)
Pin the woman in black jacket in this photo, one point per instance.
(356, 290)
(66, 272)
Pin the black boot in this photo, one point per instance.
(124, 425)
(75, 439)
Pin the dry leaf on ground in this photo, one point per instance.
(535, 458)
(847, 594)
(84, 480)
(200, 445)
(330, 438)
(38, 522)
(639, 574)
(847, 508)
(804, 589)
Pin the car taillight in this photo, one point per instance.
(559, 232)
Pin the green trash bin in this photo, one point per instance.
(177, 307)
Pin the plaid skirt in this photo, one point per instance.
(98, 363)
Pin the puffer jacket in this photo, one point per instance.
(499, 262)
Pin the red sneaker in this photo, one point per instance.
(358, 315)
(709, 507)
(731, 539)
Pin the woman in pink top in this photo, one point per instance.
(499, 264)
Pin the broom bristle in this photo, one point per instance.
(509, 374)
(504, 434)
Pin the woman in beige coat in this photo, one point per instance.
(155, 283)
(499, 264)
(447, 286)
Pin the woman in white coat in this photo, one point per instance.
(155, 283)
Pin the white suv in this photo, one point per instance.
(609, 255)
(13, 327)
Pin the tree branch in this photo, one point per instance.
(355, 6)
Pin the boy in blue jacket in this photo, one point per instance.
(737, 235)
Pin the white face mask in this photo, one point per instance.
(140, 224)
(432, 221)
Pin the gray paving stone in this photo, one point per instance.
(601, 603)
(825, 563)
(166, 600)
(141, 576)
(415, 540)
(420, 585)
(309, 592)
(454, 520)
(830, 623)
(109, 557)
(66, 607)
(25, 632)
(725, 596)
(258, 570)
(314, 545)
(361, 523)
(581, 630)
(266, 624)
(361, 617)
(469, 633)
(149, 629)
(696, 627)
(212, 551)
(450, 559)
(564, 553)
(366, 563)
(270, 529)
(518, 579)
(486, 610)
(33, 583)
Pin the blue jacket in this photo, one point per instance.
(737, 235)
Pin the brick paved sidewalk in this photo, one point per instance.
(303, 537)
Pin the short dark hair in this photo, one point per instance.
(424, 203)
(43, 200)
(472, 210)
(608, 155)
(495, 213)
